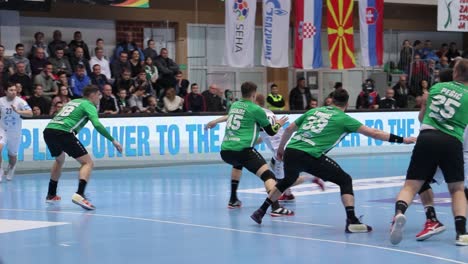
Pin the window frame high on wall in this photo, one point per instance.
(209, 72)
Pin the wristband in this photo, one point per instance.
(395, 139)
(276, 127)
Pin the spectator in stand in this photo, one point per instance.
(36, 111)
(194, 101)
(135, 63)
(100, 45)
(401, 92)
(4, 77)
(181, 84)
(275, 101)
(108, 103)
(63, 81)
(136, 101)
(46, 81)
(419, 71)
(100, 60)
(424, 84)
(167, 69)
(128, 45)
(38, 61)
(57, 44)
(338, 85)
(172, 102)
(97, 78)
(418, 48)
(78, 42)
(62, 97)
(388, 102)
(151, 71)
(152, 105)
(150, 51)
(60, 62)
(39, 42)
(19, 57)
(453, 52)
(328, 101)
(78, 59)
(19, 92)
(300, 96)
(427, 50)
(442, 52)
(79, 81)
(431, 67)
(125, 82)
(118, 66)
(444, 63)
(57, 108)
(122, 102)
(214, 103)
(313, 103)
(229, 99)
(21, 77)
(39, 100)
(141, 81)
(7, 67)
(406, 55)
(368, 98)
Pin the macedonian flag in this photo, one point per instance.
(340, 33)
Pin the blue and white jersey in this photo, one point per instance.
(11, 121)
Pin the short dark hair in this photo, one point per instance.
(338, 85)
(273, 85)
(19, 45)
(193, 84)
(80, 66)
(77, 32)
(89, 90)
(99, 39)
(1, 46)
(96, 65)
(178, 72)
(446, 75)
(148, 42)
(248, 88)
(340, 97)
(97, 49)
(36, 35)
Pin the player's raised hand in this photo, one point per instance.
(410, 140)
(282, 120)
(117, 146)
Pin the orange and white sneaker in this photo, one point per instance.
(51, 199)
(81, 201)
(431, 228)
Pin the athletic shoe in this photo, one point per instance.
(462, 240)
(10, 173)
(285, 198)
(319, 182)
(431, 228)
(257, 216)
(81, 201)
(281, 212)
(396, 231)
(234, 205)
(357, 227)
(51, 199)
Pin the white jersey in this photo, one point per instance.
(10, 121)
(272, 142)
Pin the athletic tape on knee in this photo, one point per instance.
(268, 174)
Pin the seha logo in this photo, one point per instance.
(241, 9)
(272, 8)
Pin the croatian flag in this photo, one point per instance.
(371, 25)
(308, 51)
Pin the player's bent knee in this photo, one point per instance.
(267, 175)
(346, 185)
(426, 186)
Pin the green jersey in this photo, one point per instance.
(447, 108)
(74, 116)
(320, 129)
(243, 125)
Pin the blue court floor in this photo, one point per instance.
(179, 215)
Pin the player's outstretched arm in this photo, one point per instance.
(23, 113)
(93, 117)
(213, 123)
(284, 139)
(271, 130)
(382, 135)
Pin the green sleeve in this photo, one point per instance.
(351, 125)
(300, 120)
(92, 113)
(261, 117)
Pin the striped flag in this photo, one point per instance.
(340, 33)
(308, 51)
(371, 25)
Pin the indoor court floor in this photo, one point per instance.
(179, 214)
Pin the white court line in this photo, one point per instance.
(301, 223)
(245, 232)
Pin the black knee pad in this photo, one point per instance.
(426, 186)
(346, 184)
(238, 167)
(268, 174)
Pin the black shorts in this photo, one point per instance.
(436, 149)
(325, 168)
(248, 158)
(60, 141)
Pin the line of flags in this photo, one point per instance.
(240, 31)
